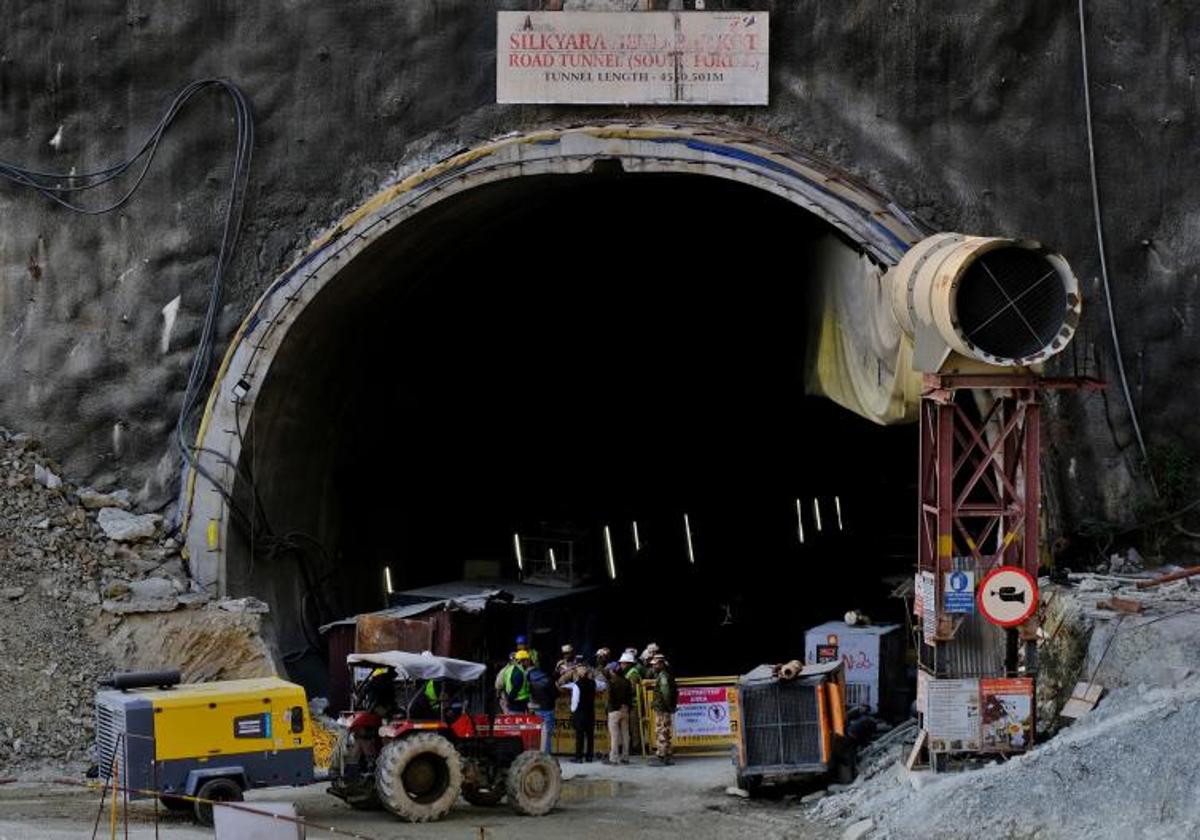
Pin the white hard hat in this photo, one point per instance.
(627, 658)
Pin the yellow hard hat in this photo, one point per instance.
(522, 654)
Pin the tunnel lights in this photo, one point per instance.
(687, 530)
(837, 505)
(637, 540)
(553, 562)
(608, 551)
(800, 522)
(387, 578)
(240, 389)
(817, 512)
(517, 552)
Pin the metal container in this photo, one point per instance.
(792, 729)
(874, 660)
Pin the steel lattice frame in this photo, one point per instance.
(980, 477)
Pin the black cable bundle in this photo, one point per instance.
(61, 187)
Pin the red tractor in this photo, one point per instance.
(411, 743)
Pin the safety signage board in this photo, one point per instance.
(1007, 713)
(703, 712)
(958, 592)
(1008, 596)
(928, 588)
(952, 714)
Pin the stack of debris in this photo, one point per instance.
(1119, 683)
(88, 586)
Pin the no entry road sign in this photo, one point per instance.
(1008, 596)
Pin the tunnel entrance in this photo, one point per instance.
(552, 355)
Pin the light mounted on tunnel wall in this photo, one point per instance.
(1005, 302)
(687, 531)
(608, 552)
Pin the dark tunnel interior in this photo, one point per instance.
(548, 356)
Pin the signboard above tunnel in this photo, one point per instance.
(635, 58)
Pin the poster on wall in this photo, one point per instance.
(929, 601)
(1007, 714)
(659, 58)
(952, 716)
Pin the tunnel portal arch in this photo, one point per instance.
(879, 230)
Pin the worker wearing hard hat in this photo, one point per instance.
(664, 709)
(620, 700)
(502, 680)
(632, 672)
(567, 663)
(516, 684)
(523, 644)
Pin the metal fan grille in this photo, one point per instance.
(1011, 303)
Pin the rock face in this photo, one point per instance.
(971, 118)
(76, 605)
(204, 644)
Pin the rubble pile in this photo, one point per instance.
(1126, 768)
(88, 586)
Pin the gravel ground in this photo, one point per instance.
(686, 800)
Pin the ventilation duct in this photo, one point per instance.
(1001, 301)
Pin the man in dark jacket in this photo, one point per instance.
(543, 698)
(620, 699)
(583, 713)
(664, 709)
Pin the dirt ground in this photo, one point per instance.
(687, 800)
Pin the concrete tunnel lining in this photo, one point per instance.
(295, 427)
(879, 229)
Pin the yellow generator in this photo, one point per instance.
(211, 741)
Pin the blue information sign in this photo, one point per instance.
(958, 594)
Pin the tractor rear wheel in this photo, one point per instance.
(215, 790)
(419, 777)
(534, 783)
(357, 790)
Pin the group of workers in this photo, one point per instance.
(523, 685)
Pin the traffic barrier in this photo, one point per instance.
(707, 717)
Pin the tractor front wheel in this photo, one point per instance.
(419, 777)
(534, 783)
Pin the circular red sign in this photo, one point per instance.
(1007, 596)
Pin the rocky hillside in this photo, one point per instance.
(88, 586)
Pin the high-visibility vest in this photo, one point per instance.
(431, 693)
(523, 693)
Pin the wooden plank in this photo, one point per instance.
(1083, 699)
(922, 737)
(1121, 605)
